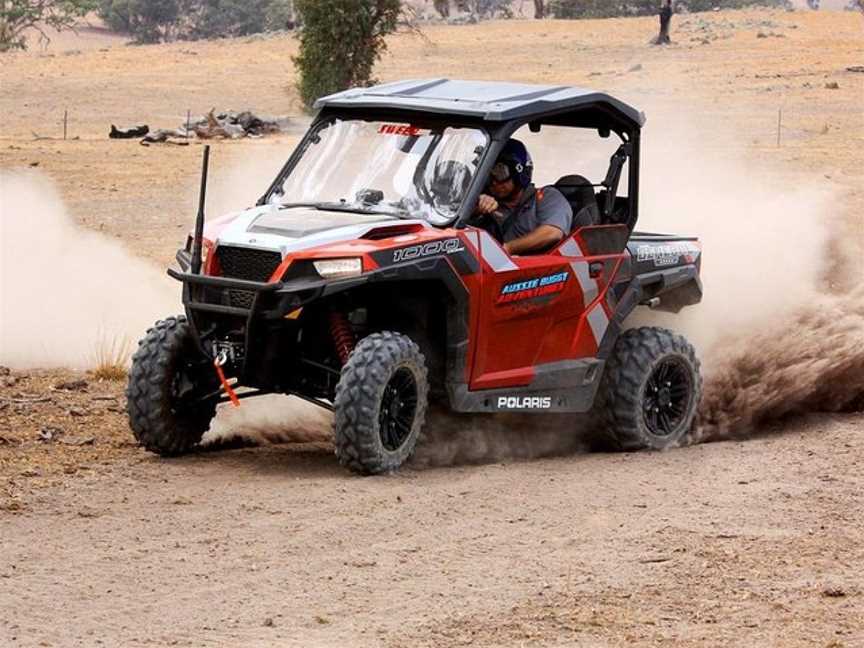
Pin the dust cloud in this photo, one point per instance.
(453, 439)
(810, 361)
(66, 292)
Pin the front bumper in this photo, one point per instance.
(266, 301)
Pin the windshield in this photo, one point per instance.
(385, 167)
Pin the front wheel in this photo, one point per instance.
(651, 389)
(380, 403)
(172, 391)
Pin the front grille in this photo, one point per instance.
(243, 263)
(240, 298)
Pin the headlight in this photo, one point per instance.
(338, 268)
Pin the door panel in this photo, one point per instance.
(538, 309)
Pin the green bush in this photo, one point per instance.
(340, 42)
(219, 18)
(148, 21)
(151, 21)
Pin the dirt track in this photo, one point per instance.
(745, 543)
(735, 543)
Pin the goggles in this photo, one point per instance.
(500, 172)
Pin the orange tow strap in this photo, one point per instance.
(231, 394)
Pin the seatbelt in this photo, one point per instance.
(530, 192)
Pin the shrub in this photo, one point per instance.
(111, 357)
(148, 21)
(340, 42)
(607, 9)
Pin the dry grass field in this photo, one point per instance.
(744, 542)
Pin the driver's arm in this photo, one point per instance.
(555, 218)
(542, 238)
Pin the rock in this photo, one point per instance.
(50, 433)
(31, 472)
(71, 385)
(833, 592)
(8, 381)
(268, 623)
(11, 505)
(78, 412)
(833, 85)
(5, 371)
(635, 68)
(79, 441)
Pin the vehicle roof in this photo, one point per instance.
(490, 101)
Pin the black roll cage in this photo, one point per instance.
(598, 116)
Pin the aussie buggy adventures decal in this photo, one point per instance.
(531, 288)
(668, 253)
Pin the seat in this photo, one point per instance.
(579, 192)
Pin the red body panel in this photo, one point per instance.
(524, 311)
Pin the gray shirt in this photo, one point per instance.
(547, 206)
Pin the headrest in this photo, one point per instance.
(576, 188)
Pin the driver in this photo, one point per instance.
(525, 219)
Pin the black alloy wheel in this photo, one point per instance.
(398, 408)
(667, 396)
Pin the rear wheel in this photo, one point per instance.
(651, 389)
(380, 404)
(171, 394)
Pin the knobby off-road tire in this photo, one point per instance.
(168, 373)
(651, 389)
(380, 404)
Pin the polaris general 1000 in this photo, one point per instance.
(361, 282)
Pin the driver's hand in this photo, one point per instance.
(486, 205)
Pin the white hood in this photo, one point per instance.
(292, 229)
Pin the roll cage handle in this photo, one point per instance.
(613, 177)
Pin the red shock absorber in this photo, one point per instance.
(343, 336)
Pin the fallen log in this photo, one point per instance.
(128, 133)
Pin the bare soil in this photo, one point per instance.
(734, 543)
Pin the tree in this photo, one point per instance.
(148, 21)
(17, 16)
(442, 7)
(340, 42)
(539, 9)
